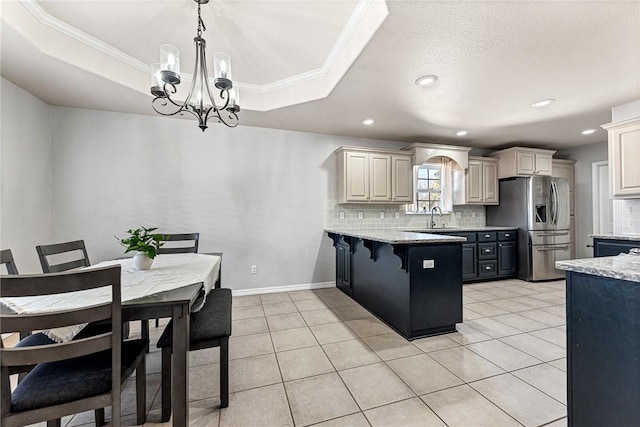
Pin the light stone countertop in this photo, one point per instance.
(623, 266)
(396, 236)
(452, 229)
(615, 237)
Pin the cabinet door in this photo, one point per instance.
(624, 152)
(380, 177)
(490, 183)
(402, 182)
(469, 261)
(542, 164)
(506, 259)
(474, 182)
(357, 177)
(525, 163)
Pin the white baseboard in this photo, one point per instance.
(288, 288)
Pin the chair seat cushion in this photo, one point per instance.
(35, 339)
(55, 383)
(211, 322)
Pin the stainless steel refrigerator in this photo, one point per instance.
(539, 207)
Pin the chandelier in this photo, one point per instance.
(200, 102)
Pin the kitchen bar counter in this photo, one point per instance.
(396, 236)
(623, 266)
(440, 230)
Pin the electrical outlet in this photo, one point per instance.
(458, 214)
(397, 215)
(428, 263)
(341, 214)
(254, 269)
(381, 214)
(360, 215)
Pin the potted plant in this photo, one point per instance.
(145, 243)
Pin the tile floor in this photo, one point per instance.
(317, 358)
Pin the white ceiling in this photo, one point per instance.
(324, 65)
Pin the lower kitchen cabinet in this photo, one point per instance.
(469, 261)
(489, 255)
(344, 261)
(609, 247)
(507, 255)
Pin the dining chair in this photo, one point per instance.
(45, 251)
(210, 327)
(72, 376)
(6, 258)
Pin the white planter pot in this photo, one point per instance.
(141, 261)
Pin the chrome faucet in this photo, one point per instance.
(435, 208)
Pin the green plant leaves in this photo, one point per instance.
(143, 240)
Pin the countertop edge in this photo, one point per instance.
(621, 267)
(391, 236)
(615, 237)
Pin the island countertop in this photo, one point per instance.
(623, 266)
(395, 236)
(441, 230)
(615, 237)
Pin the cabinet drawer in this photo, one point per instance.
(486, 250)
(489, 236)
(506, 235)
(486, 268)
(471, 237)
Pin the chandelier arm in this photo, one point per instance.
(232, 119)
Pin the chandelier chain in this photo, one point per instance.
(201, 26)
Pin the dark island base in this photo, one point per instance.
(416, 289)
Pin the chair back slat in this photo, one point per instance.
(29, 285)
(45, 251)
(6, 258)
(185, 237)
(28, 356)
(42, 321)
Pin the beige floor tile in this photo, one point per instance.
(204, 382)
(338, 301)
(253, 372)
(350, 354)
(265, 406)
(436, 343)
(543, 317)
(470, 314)
(245, 301)
(302, 295)
(320, 317)
(509, 305)
(280, 322)
(354, 420)
(467, 334)
(547, 379)
(560, 364)
(560, 423)
(290, 339)
(332, 332)
(463, 407)
(503, 355)
(204, 413)
(547, 296)
(479, 295)
(249, 346)
(465, 364)
(303, 362)
(410, 412)
(368, 327)
(196, 358)
(520, 322)
(375, 385)
(553, 335)
(255, 325)
(485, 309)
(522, 401)
(275, 298)
(352, 312)
(328, 292)
(238, 313)
(423, 374)
(279, 308)
(558, 310)
(468, 300)
(391, 346)
(493, 328)
(310, 304)
(319, 398)
(536, 347)
(531, 302)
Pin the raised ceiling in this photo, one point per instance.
(324, 65)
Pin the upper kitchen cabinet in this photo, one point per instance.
(522, 161)
(624, 152)
(478, 184)
(373, 176)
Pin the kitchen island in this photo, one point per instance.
(411, 281)
(603, 340)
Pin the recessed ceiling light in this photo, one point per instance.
(543, 102)
(426, 80)
(368, 122)
(462, 133)
(588, 131)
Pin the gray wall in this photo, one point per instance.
(25, 153)
(584, 157)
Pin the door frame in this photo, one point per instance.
(596, 168)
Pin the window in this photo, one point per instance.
(429, 187)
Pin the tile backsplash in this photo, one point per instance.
(626, 217)
(462, 216)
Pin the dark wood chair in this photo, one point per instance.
(209, 327)
(74, 376)
(45, 251)
(6, 258)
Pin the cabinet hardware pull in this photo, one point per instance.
(487, 235)
(507, 235)
(487, 268)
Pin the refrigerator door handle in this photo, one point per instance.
(560, 233)
(554, 248)
(554, 192)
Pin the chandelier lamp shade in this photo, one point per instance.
(200, 101)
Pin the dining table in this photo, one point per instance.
(175, 286)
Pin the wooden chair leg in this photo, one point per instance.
(54, 423)
(99, 416)
(165, 388)
(224, 372)
(141, 392)
(144, 331)
(157, 323)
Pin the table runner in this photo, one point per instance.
(168, 272)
